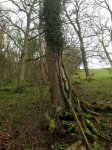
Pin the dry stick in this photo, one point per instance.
(88, 147)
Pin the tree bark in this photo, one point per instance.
(41, 44)
(84, 59)
(54, 71)
(54, 45)
(1, 44)
(22, 65)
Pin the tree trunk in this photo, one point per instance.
(82, 48)
(2, 58)
(107, 54)
(24, 53)
(41, 44)
(22, 66)
(54, 59)
(84, 59)
(1, 40)
(77, 29)
(59, 83)
(54, 44)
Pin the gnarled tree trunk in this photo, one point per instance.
(57, 79)
(59, 83)
(54, 44)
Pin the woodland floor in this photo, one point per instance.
(22, 124)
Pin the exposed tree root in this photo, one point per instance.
(85, 116)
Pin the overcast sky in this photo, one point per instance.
(93, 63)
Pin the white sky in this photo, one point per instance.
(94, 63)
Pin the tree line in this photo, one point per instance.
(33, 39)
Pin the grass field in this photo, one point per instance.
(100, 85)
(21, 114)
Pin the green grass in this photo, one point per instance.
(98, 88)
(96, 73)
(24, 112)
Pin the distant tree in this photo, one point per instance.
(3, 60)
(25, 23)
(28, 10)
(101, 32)
(8, 55)
(75, 18)
(1, 52)
(41, 40)
(102, 29)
